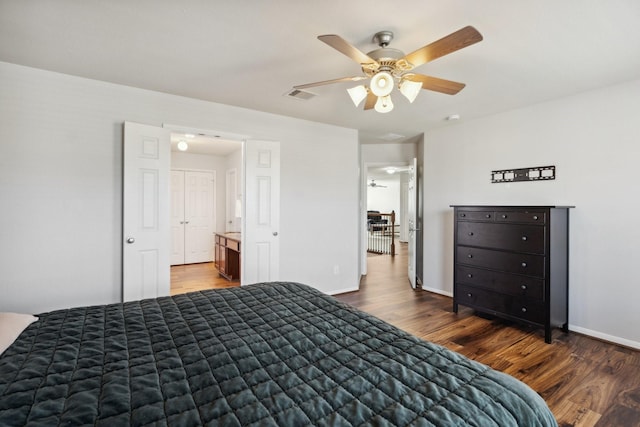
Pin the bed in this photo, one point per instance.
(261, 355)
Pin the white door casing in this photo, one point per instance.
(261, 216)
(412, 200)
(146, 232)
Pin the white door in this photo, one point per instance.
(260, 240)
(198, 217)
(412, 200)
(192, 219)
(177, 217)
(145, 252)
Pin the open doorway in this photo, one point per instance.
(387, 228)
(206, 172)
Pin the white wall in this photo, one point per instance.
(401, 153)
(61, 186)
(385, 199)
(593, 139)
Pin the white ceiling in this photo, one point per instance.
(249, 53)
(205, 144)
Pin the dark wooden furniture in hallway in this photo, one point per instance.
(227, 255)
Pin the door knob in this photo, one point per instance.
(275, 233)
(131, 240)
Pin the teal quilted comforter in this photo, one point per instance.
(262, 355)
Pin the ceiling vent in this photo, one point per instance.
(391, 137)
(300, 94)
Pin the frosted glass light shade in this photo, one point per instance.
(357, 94)
(182, 145)
(384, 104)
(382, 84)
(410, 89)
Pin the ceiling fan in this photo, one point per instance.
(385, 65)
(373, 184)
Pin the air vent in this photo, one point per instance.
(300, 94)
(391, 136)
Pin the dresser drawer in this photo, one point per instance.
(525, 217)
(495, 303)
(233, 245)
(512, 237)
(476, 215)
(530, 265)
(511, 284)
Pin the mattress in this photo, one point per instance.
(262, 355)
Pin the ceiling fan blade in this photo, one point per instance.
(328, 82)
(436, 84)
(371, 100)
(446, 45)
(344, 47)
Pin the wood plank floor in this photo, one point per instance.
(586, 382)
(197, 277)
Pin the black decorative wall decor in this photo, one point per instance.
(537, 173)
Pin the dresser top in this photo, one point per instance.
(513, 206)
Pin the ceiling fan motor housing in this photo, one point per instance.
(383, 38)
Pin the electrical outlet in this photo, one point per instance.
(336, 269)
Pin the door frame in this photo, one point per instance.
(244, 139)
(363, 207)
(241, 138)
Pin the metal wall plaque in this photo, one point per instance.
(537, 173)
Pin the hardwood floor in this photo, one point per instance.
(586, 382)
(197, 277)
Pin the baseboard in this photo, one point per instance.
(584, 331)
(343, 291)
(438, 291)
(605, 337)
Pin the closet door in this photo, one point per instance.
(192, 200)
(198, 214)
(177, 217)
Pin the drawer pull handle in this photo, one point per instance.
(469, 275)
(463, 215)
(504, 217)
(524, 264)
(469, 295)
(524, 238)
(469, 256)
(524, 287)
(524, 309)
(471, 233)
(535, 217)
(488, 216)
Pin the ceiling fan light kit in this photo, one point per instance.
(358, 94)
(410, 89)
(384, 104)
(386, 66)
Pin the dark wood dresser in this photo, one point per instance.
(512, 262)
